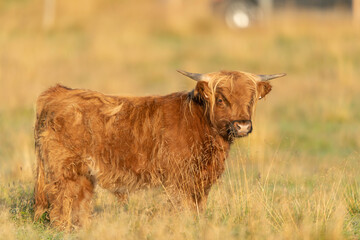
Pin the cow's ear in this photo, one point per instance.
(202, 91)
(263, 88)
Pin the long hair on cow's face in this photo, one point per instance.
(229, 96)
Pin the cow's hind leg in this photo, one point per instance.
(69, 188)
(70, 203)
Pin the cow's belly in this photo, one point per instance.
(122, 179)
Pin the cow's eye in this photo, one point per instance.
(220, 101)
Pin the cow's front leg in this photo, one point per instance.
(122, 197)
(199, 198)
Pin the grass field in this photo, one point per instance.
(296, 177)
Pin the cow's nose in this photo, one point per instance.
(243, 127)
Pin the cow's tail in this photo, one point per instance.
(41, 202)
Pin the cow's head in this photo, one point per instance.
(229, 98)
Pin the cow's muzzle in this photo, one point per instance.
(240, 128)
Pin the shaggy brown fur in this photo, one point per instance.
(179, 141)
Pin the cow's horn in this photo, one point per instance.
(194, 76)
(264, 78)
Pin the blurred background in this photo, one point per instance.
(133, 48)
(308, 125)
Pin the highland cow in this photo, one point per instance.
(179, 141)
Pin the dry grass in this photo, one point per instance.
(295, 177)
